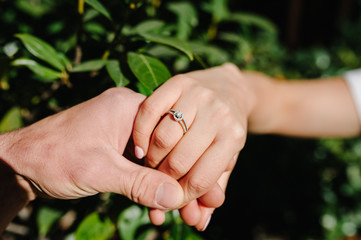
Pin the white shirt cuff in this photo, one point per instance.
(353, 79)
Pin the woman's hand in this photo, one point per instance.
(203, 157)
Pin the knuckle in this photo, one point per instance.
(139, 135)
(184, 79)
(207, 94)
(113, 94)
(238, 133)
(232, 69)
(139, 187)
(148, 108)
(161, 139)
(197, 186)
(176, 166)
(151, 160)
(224, 109)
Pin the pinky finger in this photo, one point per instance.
(206, 212)
(156, 216)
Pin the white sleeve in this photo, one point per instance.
(353, 79)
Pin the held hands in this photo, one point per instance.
(203, 158)
(79, 152)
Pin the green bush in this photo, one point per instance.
(55, 54)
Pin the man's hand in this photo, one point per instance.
(79, 152)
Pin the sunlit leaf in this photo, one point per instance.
(42, 50)
(143, 90)
(170, 41)
(213, 54)
(88, 66)
(99, 7)
(218, 8)
(11, 121)
(149, 25)
(130, 220)
(45, 219)
(93, 227)
(35, 8)
(150, 71)
(187, 18)
(114, 71)
(46, 74)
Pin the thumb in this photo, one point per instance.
(146, 186)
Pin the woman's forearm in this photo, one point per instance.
(303, 108)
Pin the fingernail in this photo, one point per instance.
(139, 153)
(206, 225)
(166, 196)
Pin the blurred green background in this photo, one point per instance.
(281, 188)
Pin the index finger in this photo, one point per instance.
(151, 111)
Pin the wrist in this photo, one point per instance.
(10, 160)
(15, 191)
(264, 112)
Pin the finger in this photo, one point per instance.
(143, 185)
(169, 131)
(156, 216)
(205, 208)
(206, 216)
(191, 213)
(214, 198)
(191, 147)
(208, 169)
(152, 110)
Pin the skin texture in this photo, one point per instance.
(220, 106)
(78, 153)
(203, 158)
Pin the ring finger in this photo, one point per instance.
(169, 132)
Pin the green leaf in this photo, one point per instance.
(11, 121)
(218, 8)
(46, 74)
(95, 228)
(170, 41)
(150, 71)
(114, 71)
(187, 18)
(149, 25)
(45, 219)
(130, 220)
(143, 90)
(42, 50)
(35, 8)
(253, 19)
(99, 7)
(213, 55)
(88, 66)
(150, 233)
(179, 230)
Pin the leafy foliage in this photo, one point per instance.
(54, 54)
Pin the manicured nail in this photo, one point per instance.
(139, 153)
(206, 225)
(166, 196)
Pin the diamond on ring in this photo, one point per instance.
(179, 117)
